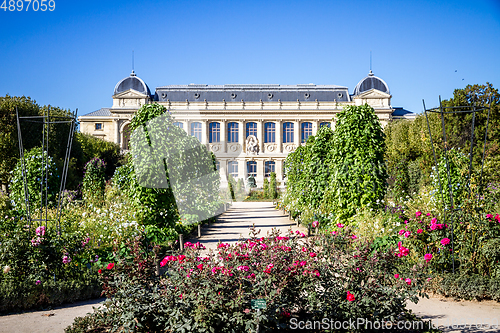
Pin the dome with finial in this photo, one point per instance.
(371, 82)
(132, 82)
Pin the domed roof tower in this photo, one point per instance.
(132, 82)
(371, 82)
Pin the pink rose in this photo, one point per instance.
(340, 225)
(396, 276)
(417, 214)
(401, 232)
(497, 218)
(419, 231)
(408, 281)
(445, 241)
(489, 216)
(315, 224)
(312, 254)
(40, 231)
(428, 257)
(407, 234)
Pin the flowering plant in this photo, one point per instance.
(300, 277)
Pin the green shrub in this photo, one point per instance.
(357, 158)
(34, 174)
(468, 287)
(273, 187)
(265, 187)
(94, 182)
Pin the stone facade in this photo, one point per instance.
(250, 128)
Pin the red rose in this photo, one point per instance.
(110, 265)
(350, 297)
(99, 271)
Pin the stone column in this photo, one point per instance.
(204, 132)
(260, 172)
(117, 130)
(223, 133)
(278, 164)
(296, 133)
(242, 169)
(241, 133)
(279, 135)
(316, 127)
(260, 135)
(223, 169)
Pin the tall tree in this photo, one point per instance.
(9, 148)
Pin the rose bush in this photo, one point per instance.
(298, 277)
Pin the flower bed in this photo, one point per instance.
(328, 276)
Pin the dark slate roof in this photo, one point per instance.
(401, 112)
(371, 82)
(252, 93)
(104, 112)
(132, 82)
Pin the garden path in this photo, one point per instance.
(235, 223)
(468, 316)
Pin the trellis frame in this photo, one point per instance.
(46, 119)
(442, 110)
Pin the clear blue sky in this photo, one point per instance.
(74, 56)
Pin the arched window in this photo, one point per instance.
(326, 123)
(179, 124)
(269, 166)
(196, 130)
(214, 130)
(307, 130)
(232, 132)
(269, 132)
(252, 168)
(251, 129)
(288, 132)
(232, 168)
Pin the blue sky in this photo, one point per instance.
(74, 56)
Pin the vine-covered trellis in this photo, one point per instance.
(442, 111)
(46, 119)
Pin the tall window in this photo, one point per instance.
(307, 130)
(288, 132)
(214, 129)
(269, 166)
(196, 130)
(269, 132)
(232, 168)
(326, 123)
(252, 168)
(179, 124)
(232, 132)
(251, 129)
(217, 165)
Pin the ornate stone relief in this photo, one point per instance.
(252, 145)
(215, 147)
(270, 147)
(289, 147)
(233, 147)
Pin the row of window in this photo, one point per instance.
(232, 168)
(214, 131)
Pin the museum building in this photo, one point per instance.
(251, 128)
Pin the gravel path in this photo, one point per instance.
(49, 321)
